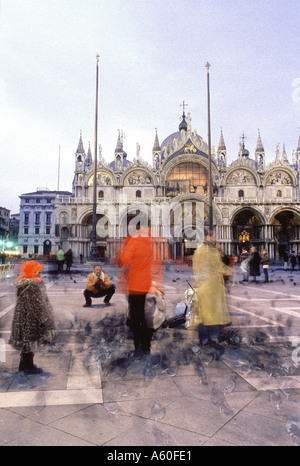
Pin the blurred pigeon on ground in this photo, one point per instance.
(162, 439)
(149, 372)
(88, 328)
(276, 398)
(155, 360)
(200, 372)
(158, 411)
(229, 383)
(115, 408)
(165, 362)
(293, 429)
(218, 399)
(123, 390)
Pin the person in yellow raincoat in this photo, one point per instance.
(210, 309)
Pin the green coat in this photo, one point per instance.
(210, 305)
(60, 255)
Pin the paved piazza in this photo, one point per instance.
(90, 393)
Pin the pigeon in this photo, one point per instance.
(196, 349)
(149, 372)
(158, 411)
(276, 398)
(218, 399)
(115, 409)
(88, 328)
(199, 369)
(164, 362)
(162, 439)
(229, 383)
(155, 360)
(122, 390)
(293, 429)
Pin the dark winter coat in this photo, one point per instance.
(33, 322)
(254, 262)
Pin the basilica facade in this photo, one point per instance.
(253, 203)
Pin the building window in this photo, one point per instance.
(26, 200)
(36, 249)
(26, 231)
(101, 195)
(138, 193)
(37, 218)
(279, 193)
(37, 231)
(37, 201)
(26, 218)
(48, 230)
(48, 201)
(241, 193)
(187, 177)
(25, 249)
(48, 217)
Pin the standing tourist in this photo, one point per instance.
(210, 311)
(265, 262)
(33, 324)
(254, 263)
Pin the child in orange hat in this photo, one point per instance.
(33, 323)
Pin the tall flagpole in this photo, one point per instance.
(94, 250)
(58, 170)
(209, 153)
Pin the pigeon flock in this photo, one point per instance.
(104, 346)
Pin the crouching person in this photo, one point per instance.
(98, 285)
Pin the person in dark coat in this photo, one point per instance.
(33, 323)
(69, 259)
(285, 259)
(293, 260)
(254, 269)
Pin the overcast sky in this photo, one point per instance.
(152, 57)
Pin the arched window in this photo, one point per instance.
(241, 193)
(138, 193)
(101, 194)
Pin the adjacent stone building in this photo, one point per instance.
(36, 222)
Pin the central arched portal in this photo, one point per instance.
(246, 229)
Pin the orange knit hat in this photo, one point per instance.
(31, 269)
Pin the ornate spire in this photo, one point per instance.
(119, 146)
(221, 142)
(259, 145)
(89, 158)
(284, 156)
(80, 148)
(156, 146)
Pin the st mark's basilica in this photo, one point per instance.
(253, 203)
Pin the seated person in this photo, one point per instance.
(97, 286)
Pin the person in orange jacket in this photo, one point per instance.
(142, 258)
